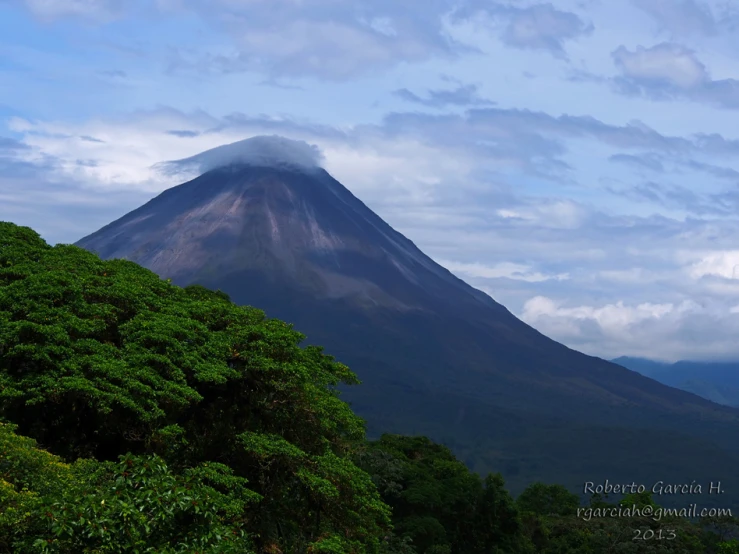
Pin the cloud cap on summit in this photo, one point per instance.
(262, 150)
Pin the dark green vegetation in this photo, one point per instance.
(436, 357)
(137, 416)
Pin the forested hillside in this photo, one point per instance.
(137, 416)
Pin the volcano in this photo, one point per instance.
(266, 224)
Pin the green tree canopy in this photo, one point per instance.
(103, 358)
(543, 499)
(136, 504)
(438, 502)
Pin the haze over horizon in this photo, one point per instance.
(577, 161)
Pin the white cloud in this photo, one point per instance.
(719, 264)
(680, 17)
(543, 26)
(100, 10)
(334, 40)
(259, 150)
(509, 270)
(128, 153)
(563, 214)
(330, 39)
(612, 318)
(670, 71)
(671, 63)
(634, 275)
(656, 330)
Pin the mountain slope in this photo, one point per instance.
(435, 355)
(715, 381)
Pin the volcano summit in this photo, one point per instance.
(267, 225)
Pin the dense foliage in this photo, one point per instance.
(102, 358)
(136, 416)
(437, 502)
(136, 504)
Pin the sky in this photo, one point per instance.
(576, 160)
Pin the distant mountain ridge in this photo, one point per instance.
(436, 356)
(715, 381)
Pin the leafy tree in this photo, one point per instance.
(542, 499)
(102, 358)
(721, 531)
(135, 504)
(498, 523)
(638, 499)
(729, 547)
(438, 503)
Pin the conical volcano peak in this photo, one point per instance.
(259, 151)
(436, 356)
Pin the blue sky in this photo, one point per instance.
(577, 160)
